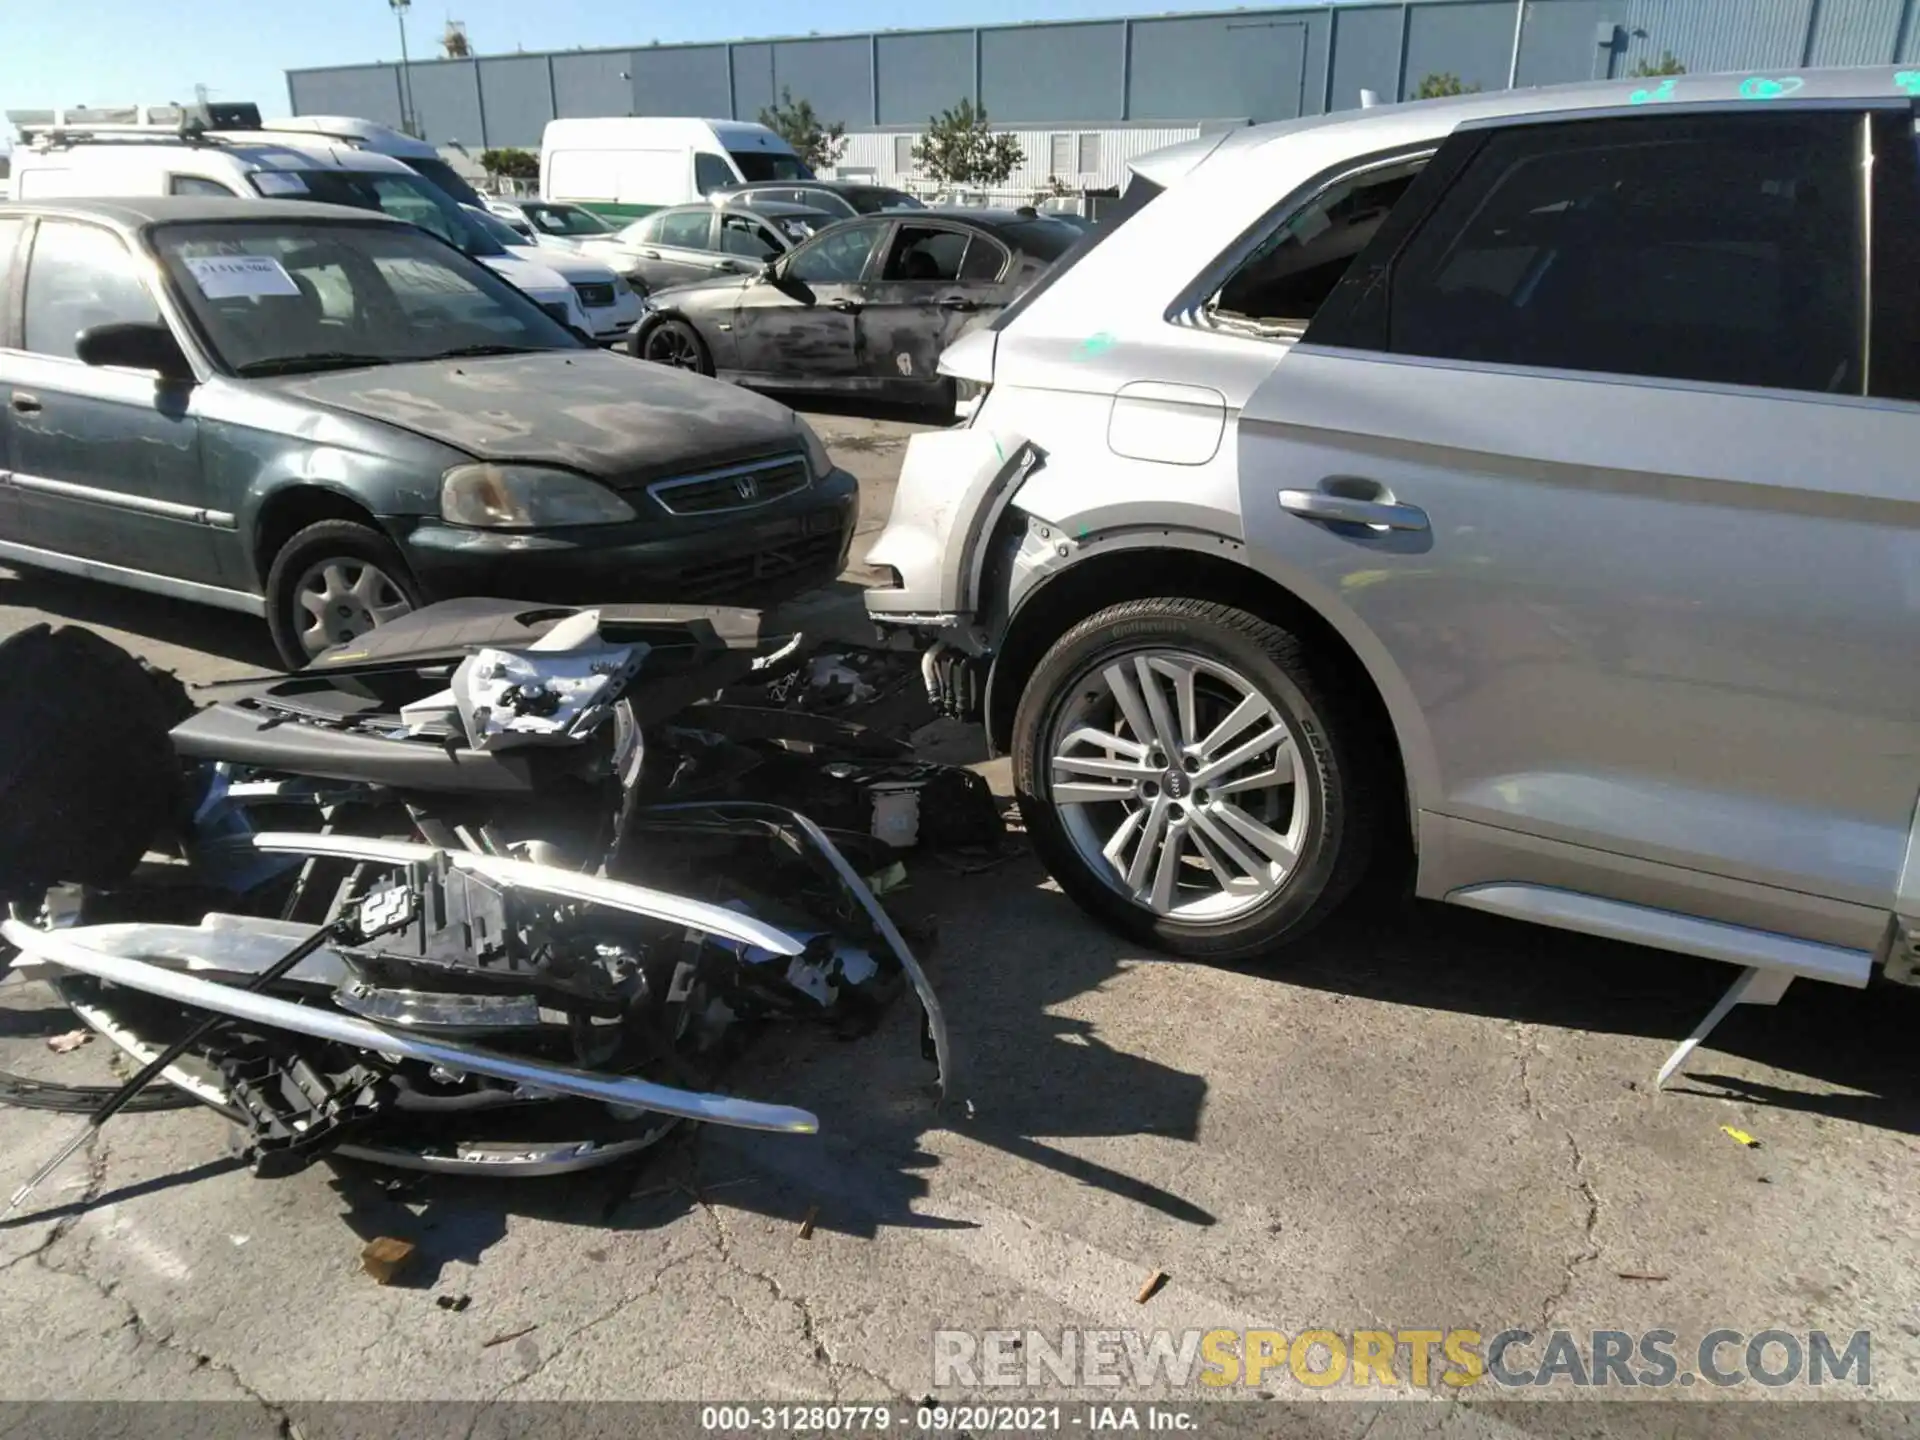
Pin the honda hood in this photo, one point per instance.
(620, 420)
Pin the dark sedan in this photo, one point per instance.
(865, 305)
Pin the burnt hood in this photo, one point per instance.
(621, 420)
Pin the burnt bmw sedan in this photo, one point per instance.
(865, 305)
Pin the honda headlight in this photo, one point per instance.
(526, 497)
(819, 463)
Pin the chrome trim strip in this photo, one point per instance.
(752, 467)
(67, 949)
(93, 495)
(1666, 930)
(1866, 254)
(522, 1161)
(133, 579)
(544, 880)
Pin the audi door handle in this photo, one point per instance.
(846, 307)
(1345, 509)
(24, 403)
(651, 254)
(957, 302)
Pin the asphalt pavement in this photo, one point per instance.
(1421, 1120)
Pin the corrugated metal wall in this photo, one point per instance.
(1246, 64)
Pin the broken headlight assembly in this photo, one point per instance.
(526, 497)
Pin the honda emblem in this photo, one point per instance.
(746, 487)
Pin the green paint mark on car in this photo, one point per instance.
(1664, 91)
(1766, 87)
(1097, 345)
(1908, 81)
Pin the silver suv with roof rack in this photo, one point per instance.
(1524, 479)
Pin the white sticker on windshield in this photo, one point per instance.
(229, 277)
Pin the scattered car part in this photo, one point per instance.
(70, 951)
(635, 953)
(118, 1101)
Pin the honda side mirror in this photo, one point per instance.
(134, 345)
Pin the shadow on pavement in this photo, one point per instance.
(236, 637)
(1440, 957)
(1028, 1083)
(1031, 1082)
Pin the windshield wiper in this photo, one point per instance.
(460, 352)
(323, 360)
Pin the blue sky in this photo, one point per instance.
(101, 52)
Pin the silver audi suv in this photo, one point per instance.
(1527, 478)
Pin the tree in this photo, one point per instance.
(1665, 65)
(513, 164)
(960, 148)
(1443, 82)
(795, 122)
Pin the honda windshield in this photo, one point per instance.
(279, 297)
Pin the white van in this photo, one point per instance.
(417, 155)
(626, 167)
(165, 152)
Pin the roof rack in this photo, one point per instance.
(189, 123)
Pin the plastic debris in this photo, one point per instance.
(385, 1257)
(510, 1335)
(1742, 1136)
(72, 1040)
(806, 1225)
(1152, 1287)
(1641, 1275)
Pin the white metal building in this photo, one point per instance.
(1081, 158)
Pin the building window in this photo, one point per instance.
(1061, 162)
(903, 153)
(1090, 154)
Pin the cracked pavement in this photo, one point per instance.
(1426, 1118)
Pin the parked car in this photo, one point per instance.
(865, 305)
(173, 150)
(841, 199)
(697, 242)
(556, 226)
(606, 300)
(626, 166)
(328, 417)
(1526, 477)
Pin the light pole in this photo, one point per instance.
(408, 119)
